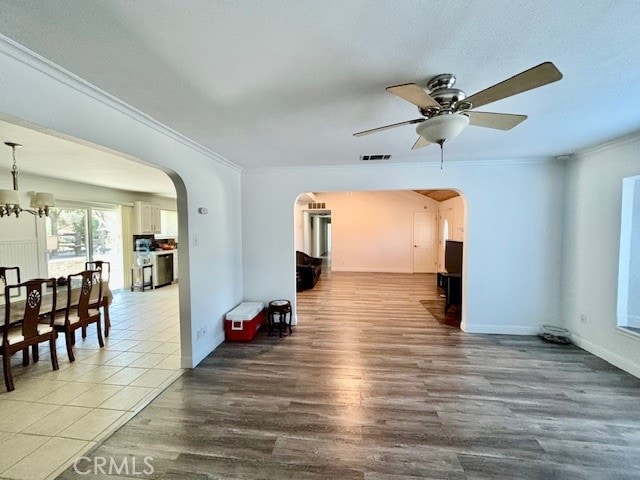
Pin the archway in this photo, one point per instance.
(374, 232)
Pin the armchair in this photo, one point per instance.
(308, 270)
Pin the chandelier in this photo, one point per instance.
(41, 202)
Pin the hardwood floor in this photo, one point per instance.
(371, 386)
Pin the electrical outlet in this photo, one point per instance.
(201, 333)
(583, 318)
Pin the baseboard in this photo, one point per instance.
(185, 362)
(607, 355)
(370, 270)
(501, 329)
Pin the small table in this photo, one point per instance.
(143, 282)
(279, 309)
(451, 283)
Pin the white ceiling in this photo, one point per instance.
(284, 83)
(50, 156)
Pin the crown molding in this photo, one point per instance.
(24, 55)
(613, 143)
(377, 165)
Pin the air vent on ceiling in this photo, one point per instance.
(316, 206)
(375, 157)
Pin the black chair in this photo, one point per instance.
(308, 270)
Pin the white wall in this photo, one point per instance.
(34, 91)
(511, 278)
(373, 231)
(591, 247)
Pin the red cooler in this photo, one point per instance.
(242, 323)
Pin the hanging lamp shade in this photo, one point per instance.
(42, 200)
(442, 127)
(9, 197)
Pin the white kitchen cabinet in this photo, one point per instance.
(146, 218)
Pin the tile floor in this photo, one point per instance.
(51, 418)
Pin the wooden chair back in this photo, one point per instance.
(10, 276)
(81, 309)
(30, 295)
(21, 329)
(83, 283)
(102, 265)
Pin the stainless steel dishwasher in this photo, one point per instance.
(164, 269)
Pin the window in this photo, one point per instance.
(169, 224)
(76, 235)
(629, 263)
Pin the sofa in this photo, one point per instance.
(308, 271)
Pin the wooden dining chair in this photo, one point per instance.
(12, 281)
(102, 265)
(8, 278)
(105, 269)
(22, 329)
(78, 312)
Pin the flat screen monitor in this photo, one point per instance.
(453, 256)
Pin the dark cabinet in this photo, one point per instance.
(451, 285)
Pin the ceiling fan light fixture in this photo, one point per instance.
(441, 128)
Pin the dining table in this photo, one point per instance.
(17, 303)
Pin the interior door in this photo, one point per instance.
(425, 244)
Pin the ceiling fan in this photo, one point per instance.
(446, 111)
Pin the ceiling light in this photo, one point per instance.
(41, 202)
(442, 127)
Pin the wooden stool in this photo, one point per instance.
(279, 309)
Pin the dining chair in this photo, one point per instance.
(22, 329)
(105, 268)
(11, 279)
(102, 265)
(79, 312)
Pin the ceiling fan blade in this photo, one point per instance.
(421, 142)
(393, 125)
(500, 121)
(533, 78)
(414, 94)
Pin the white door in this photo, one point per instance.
(425, 243)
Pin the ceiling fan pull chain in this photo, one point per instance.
(441, 153)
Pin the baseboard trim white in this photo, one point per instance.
(371, 270)
(607, 355)
(501, 329)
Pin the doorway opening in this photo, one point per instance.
(380, 233)
(96, 190)
(316, 237)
